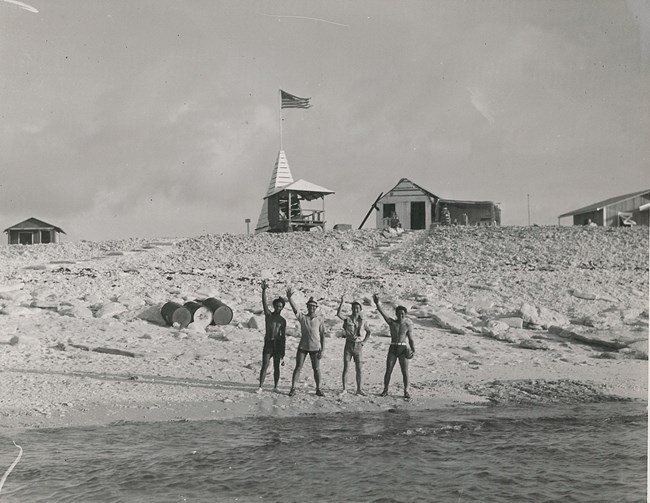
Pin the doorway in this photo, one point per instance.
(418, 216)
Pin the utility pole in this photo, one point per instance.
(248, 226)
(528, 195)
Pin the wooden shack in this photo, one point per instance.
(33, 231)
(620, 211)
(417, 208)
(291, 206)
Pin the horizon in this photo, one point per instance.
(150, 119)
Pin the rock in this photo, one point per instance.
(423, 312)
(611, 339)
(76, 311)
(130, 301)
(449, 320)
(541, 316)
(16, 311)
(109, 309)
(533, 344)
(253, 323)
(638, 350)
(495, 329)
(513, 322)
(16, 296)
(11, 286)
(347, 246)
(590, 295)
(152, 315)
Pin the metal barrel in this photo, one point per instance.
(175, 313)
(221, 313)
(201, 315)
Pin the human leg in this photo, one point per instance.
(390, 363)
(315, 365)
(358, 365)
(346, 363)
(404, 366)
(276, 370)
(266, 357)
(300, 359)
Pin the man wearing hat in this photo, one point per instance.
(312, 342)
(274, 340)
(402, 347)
(354, 341)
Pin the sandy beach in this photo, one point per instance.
(502, 315)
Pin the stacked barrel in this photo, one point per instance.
(201, 313)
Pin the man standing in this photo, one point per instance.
(354, 342)
(274, 340)
(312, 342)
(401, 331)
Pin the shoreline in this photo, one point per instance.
(100, 416)
(485, 303)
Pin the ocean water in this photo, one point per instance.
(586, 453)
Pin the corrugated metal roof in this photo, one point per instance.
(605, 203)
(33, 224)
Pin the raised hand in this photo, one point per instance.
(289, 292)
(375, 298)
(265, 285)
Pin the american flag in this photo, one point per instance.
(291, 101)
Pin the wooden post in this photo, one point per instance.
(373, 207)
(289, 216)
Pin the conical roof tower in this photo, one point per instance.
(281, 176)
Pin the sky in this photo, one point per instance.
(161, 118)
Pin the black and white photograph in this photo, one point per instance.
(333, 251)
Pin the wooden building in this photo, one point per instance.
(33, 231)
(417, 208)
(620, 211)
(291, 206)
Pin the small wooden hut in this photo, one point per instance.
(33, 231)
(285, 207)
(416, 208)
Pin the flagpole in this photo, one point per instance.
(280, 93)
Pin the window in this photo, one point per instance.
(389, 209)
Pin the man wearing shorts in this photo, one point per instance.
(354, 341)
(312, 342)
(274, 340)
(401, 348)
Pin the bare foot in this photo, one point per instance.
(319, 393)
(407, 395)
(361, 393)
(384, 393)
(259, 390)
(292, 392)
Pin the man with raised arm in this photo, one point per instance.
(402, 347)
(274, 339)
(312, 342)
(354, 341)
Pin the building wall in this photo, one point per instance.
(609, 215)
(582, 218)
(627, 206)
(402, 204)
(38, 236)
(478, 213)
